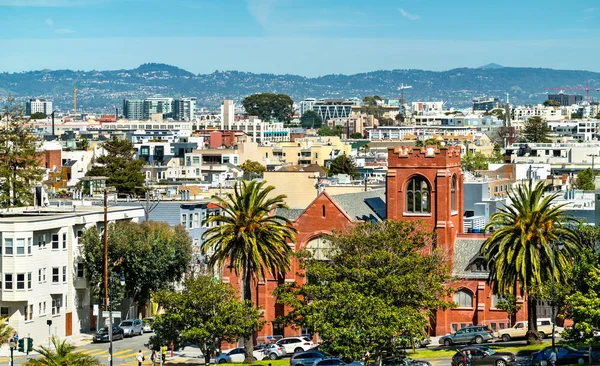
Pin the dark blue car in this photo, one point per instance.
(565, 355)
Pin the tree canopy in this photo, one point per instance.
(536, 130)
(343, 164)
(585, 180)
(204, 313)
(38, 115)
(120, 166)
(269, 106)
(376, 283)
(471, 162)
(310, 119)
(252, 167)
(20, 168)
(551, 103)
(151, 255)
(356, 135)
(327, 131)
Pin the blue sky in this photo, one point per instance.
(306, 37)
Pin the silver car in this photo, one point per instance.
(132, 327)
(271, 351)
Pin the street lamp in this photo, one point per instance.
(555, 245)
(110, 318)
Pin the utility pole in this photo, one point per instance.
(105, 250)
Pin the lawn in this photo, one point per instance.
(262, 363)
(449, 352)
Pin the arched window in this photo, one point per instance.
(319, 247)
(463, 298)
(418, 196)
(453, 193)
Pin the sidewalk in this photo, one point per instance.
(82, 339)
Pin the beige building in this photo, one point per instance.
(306, 150)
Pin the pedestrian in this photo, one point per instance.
(140, 358)
(464, 360)
(552, 358)
(153, 356)
(469, 358)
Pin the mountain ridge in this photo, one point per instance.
(107, 88)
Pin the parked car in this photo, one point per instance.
(132, 327)
(293, 345)
(103, 336)
(420, 342)
(565, 355)
(519, 330)
(403, 361)
(329, 361)
(471, 334)
(484, 356)
(306, 358)
(271, 351)
(147, 324)
(237, 355)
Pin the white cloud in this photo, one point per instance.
(261, 10)
(64, 31)
(409, 15)
(50, 22)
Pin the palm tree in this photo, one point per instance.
(63, 354)
(251, 240)
(6, 331)
(521, 252)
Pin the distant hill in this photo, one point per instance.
(491, 66)
(457, 87)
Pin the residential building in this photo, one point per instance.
(562, 157)
(427, 108)
(38, 106)
(133, 109)
(485, 104)
(157, 105)
(227, 114)
(566, 99)
(307, 150)
(306, 105)
(262, 132)
(184, 109)
(43, 277)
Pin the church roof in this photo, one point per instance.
(466, 254)
(363, 206)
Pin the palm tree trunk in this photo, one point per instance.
(532, 333)
(247, 296)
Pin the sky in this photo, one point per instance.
(305, 37)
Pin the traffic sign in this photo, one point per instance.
(95, 310)
(115, 314)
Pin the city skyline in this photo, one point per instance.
(308, 38)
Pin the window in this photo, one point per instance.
(64, 274)
(464, 299)
(64, 241)
(29, 245)
(196, 220)
(55, 305)
(55, 241)
(79, 234)
(195, 160)
(40, 275)
(191, 220)
(453, 193)
(29, 280)
(495, 299)
(28, 312)
(44, 308)
(4, 312)
(20, 246)
(417, 196)
(44, 274)
(8, 281)
(80, 270)
(55, 275)
(184, 220)
(8, 246)
(20, 281)
(320, 248)
(40, 309)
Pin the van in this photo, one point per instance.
(519, 330)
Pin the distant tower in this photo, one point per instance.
(227, 114)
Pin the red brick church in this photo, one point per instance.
(423, 184)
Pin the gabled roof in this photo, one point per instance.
(363, 206)
(466, 251)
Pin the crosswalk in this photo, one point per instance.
(127, 356)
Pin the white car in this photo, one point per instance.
(292, 345)
(132, 327)
(236, 355)
(147, 324)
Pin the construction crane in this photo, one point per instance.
(401, 88)
(74, 103)
(587, 90)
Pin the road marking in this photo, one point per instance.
(94, 352)
(123, 352)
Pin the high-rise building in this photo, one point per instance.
(157, 105)
(38, 106)
(133, 109)
(227, 114)
(307, 105)
(334, 108)
(184, 109)
(485, 104)
(566, 100)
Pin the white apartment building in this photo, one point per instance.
(420, 132)
(427, 108)
(523, 113)
(42, 278)
(563, 157)
(38, 105)
(262, 132)
(577, 129)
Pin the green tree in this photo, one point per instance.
(497, 157)
(310, 119)
(249, 239)
(152, 256)
(585, 180)
(399, 118)
(84, 144)
(38, 115)
(204, 313)
(598, 116)
(384, 121)
(374, 282)
(270, 106)
(356, 135)
(327, 131)
(519, 252)
(20, 168)
(551, 103)
(575, 115)
(251, 167)
(343, 164)
(474, 161)
(62, 353)
(536, 130)
(6, 331)
(120, 166)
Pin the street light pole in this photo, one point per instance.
(555, 244)
(110, 327)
